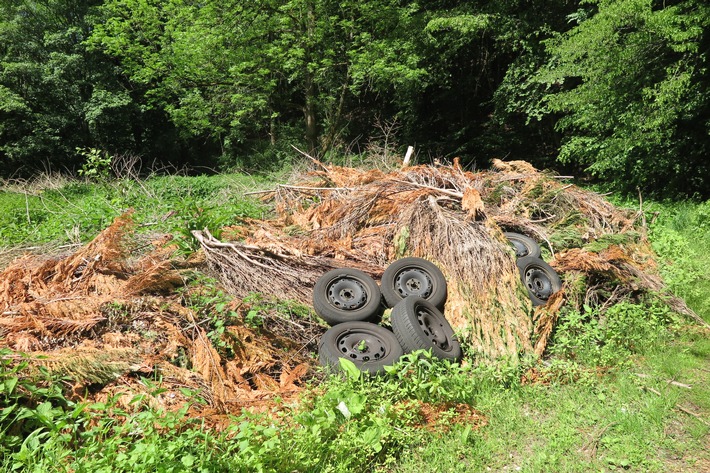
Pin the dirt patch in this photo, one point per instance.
(439, 417)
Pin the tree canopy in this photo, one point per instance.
(612, 89)
(630, 84)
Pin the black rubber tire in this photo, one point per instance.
(413, 277)
(370, 347)
(418, 324)
(346, 295)
(523, 245)
(539, 278)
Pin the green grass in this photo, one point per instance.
(680, 234)
(598, 423)
(629, 394)
(71, 210)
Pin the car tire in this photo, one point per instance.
(523, 245)
(346, 295)
(419, 325)
(413, 277)
(539, 278)
(370, 347)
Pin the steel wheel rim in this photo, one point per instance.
(347, 293)
(520, 249)
(433, 328)
(413, 282)
(361, 346)
(538, 283)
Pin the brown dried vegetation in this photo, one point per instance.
(366, 219)
(104, 318)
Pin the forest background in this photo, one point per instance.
(611, 90)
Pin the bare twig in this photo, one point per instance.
(694, 414)
(641, 213)
(593, 443)
(299, 188)
(679, 407)
(458, 195)
(669, 381)
(315, 161)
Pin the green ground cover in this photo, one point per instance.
(629, 394)
(61, 210)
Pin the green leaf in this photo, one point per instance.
(351, 371)
(188, 460)
(371, 437)
(9, 385)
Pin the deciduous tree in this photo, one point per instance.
(631, 82)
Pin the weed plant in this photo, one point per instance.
(680, 234)
(611, 338)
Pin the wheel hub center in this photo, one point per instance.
(413, 285)
(520, 249)
(538, 282)
(361, 347)
(414, 282)
(433, 329)
(347, 293)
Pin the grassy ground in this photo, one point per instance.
(634, 398)
(629, 419)
(54, 212)
(680, 233)
(59, 209)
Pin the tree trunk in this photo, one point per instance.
(309, 111)
(310, 107)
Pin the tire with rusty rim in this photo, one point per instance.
(539, 278)
(523, 245)
(370, 347)
(419, 325)
(346, 295)
(413, 277)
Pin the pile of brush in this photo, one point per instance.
(102, 319)
(365, 219)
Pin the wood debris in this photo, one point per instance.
(102, 316)
(99, 318)
(455, 219)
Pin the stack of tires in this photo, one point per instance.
(538, 277)
(352, 303)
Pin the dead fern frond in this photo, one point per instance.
(64, 327)
(91, 366)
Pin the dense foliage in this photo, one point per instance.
(631, 83)
(617, 89)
